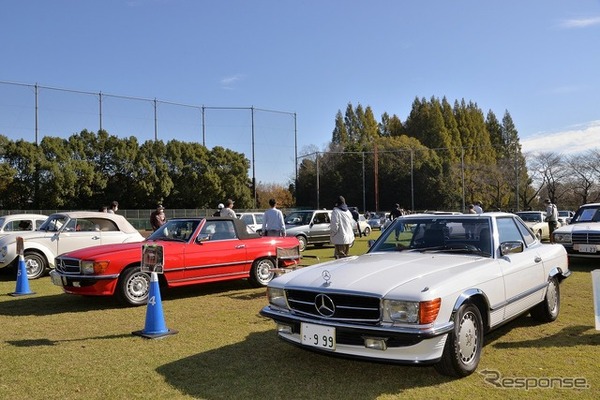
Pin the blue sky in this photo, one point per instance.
(538, 59)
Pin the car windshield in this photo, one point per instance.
(586, 214)
(54, 224)
(469, 235)
(179, 230)
(298, 218)
(530, 217)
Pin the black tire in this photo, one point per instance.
(303, 242)
(35, 264)
(538, 235)
(547, 310)
(133, 287)
(262, 272)
(367, 231)
(462, 351)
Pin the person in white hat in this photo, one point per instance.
(218, 212)
(227, 211)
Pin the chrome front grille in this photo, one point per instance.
(586, 237)
(335, 306)
(68, 265)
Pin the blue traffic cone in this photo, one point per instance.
(155, 321)
(22, 288)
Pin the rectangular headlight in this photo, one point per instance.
(560, 237)
(411, 312)
(93, 267)
(276, 297)
(401, 311)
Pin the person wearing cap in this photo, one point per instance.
(273, 224)
(227, 211)
(157, 217)
(551, 217)
(342, 228)
(218, 212)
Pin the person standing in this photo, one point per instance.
(551, 217)
(114, 206)
(157, 217)
(273, 224)
(477, 207)
(342, 230)
(397, 212)
(227, 211)
(218, 212)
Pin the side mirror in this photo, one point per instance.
(511, 247)
(370, 243)
(203, 237)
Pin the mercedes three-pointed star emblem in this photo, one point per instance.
(324, 305)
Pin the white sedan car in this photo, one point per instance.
(427, 297)
(64, 232)
(19, 223)
(581, 237)
(536, 221)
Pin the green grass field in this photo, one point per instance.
(58, 346)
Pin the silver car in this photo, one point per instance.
(311, 227)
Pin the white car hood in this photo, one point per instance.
(581, 227)
(33, 235)
(381, 273)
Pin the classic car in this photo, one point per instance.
(581, 237)
(310, 227)
(19, 223)
(375, 221)
(535, 221)
(426, 298)
(363, 225)
(62, 232)
(253, 220)
(196, 250)
(564, 217)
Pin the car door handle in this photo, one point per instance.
(240, 246)
(95, 237)
(537, 259)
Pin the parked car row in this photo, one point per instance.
(426, 291)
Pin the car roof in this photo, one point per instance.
(21, 216)
(118, 219)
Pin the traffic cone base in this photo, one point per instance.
(22, 288)
(155, 326)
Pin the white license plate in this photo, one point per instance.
(319, 336)
(588, 248)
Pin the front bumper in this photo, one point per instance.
(405, 345)
(92, 285)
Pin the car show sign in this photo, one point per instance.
(153, 258)
(596, 289)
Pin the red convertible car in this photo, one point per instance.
(196, 250)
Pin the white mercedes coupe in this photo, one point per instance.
(426, 298)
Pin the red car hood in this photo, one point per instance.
(110, 250)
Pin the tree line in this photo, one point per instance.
(441, 155)
(88, 170)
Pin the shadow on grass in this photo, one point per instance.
(67, 303)
(48, 342)
(570, 336)
(54, 304)
(584, 264)
(263, 366)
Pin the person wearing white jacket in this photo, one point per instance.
(342, 231)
